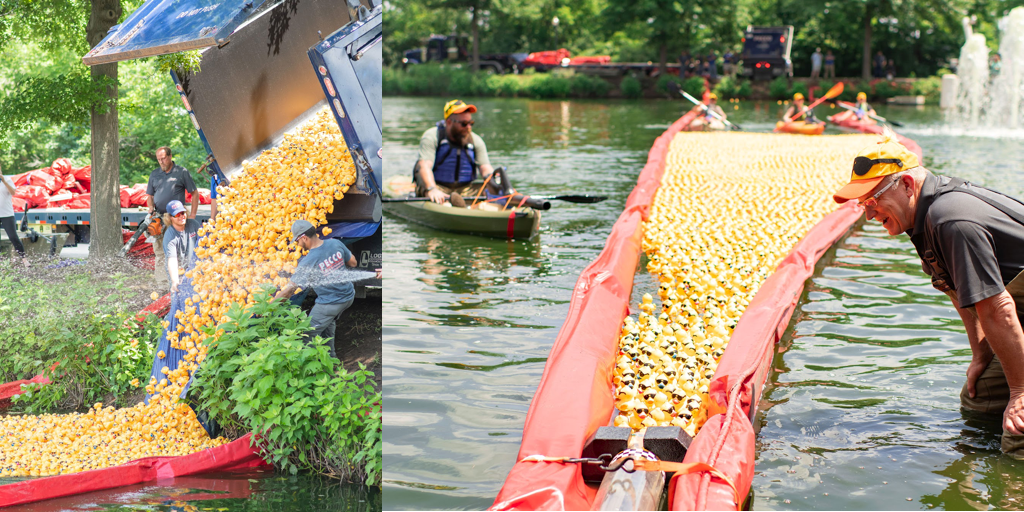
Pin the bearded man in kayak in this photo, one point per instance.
(863, 111)
(971, 243)
(705, 120)
(799, 112)
(451, 155)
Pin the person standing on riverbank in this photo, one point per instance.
(971, 243)
(167, 183)
(451, 155)
(830, 65)
(816, 63)
(7, 192)
(314, 271)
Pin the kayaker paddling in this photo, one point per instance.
(451, 156)
(705, 119)
(971, 242)
(862, 112)
(799, 112)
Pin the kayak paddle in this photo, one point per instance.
(675, 87)
(880, 119)
(836, 90)
(581, 199)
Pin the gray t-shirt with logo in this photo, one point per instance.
(168, 186)
(316, 268)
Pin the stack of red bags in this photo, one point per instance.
(67, 187)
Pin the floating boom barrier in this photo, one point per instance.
(580, 394)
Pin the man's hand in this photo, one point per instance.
(380, 273)
(437, 196)
(979, 362)
(1013, 416)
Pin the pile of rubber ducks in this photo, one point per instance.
(247, 245)
(729, 208)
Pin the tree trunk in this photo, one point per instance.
(663, 58)
(476, 40)
(865, 66)
(105, 211)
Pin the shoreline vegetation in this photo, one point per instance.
(449, 80)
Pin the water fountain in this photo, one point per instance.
(972, 74)
(1008, 85)
(986, 101)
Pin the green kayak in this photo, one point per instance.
(511, 223)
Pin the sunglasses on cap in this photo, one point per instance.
(863, 164)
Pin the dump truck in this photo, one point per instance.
(766, 52)
(265, 68)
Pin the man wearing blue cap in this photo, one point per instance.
(179, 242)
(333, 296)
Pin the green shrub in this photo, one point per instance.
(586, 86)
(695, 86)
(886, 89)
(661, 85)
(83, 323)
(504, 85)
(306, 410)
(930, 88)
(779, 88)
(631, 87)
(800, 87)
(549, 86)
(730, 87)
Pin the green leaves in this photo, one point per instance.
(262, 377)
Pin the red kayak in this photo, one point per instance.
(852, 123)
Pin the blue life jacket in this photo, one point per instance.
(451, 164)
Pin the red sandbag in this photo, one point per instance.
(595, 59)
(234, 455)
(126, 197)
(548, 58)
(80, 202)
(35, 196)
(138, 195)
(42, 178)
(204, 196)
(61, 166)
(82, 173)
(60, 199)
(20, 180)
(574, 397)
(19, 204)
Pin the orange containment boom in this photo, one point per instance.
(575, 395)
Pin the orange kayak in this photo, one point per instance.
(800, 127)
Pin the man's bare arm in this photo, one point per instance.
(998, 318)
(981, 352)
(195, 204)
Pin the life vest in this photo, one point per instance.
(452, 164)
(862, 109)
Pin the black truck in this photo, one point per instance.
(454, 48)
(766, 52)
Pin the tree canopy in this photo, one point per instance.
(919, 35)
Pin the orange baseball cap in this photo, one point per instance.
(457, 107)
(862, 96)
(874, 163)
(798, 96)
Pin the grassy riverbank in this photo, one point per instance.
(446, 80)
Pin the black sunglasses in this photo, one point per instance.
(863, 164)
(466, 123)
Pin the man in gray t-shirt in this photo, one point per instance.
(167, 183)
(333, 296)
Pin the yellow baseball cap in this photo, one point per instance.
(874, 163)
(798, 96)
(862, 96)
(457, 107)
(712, 96)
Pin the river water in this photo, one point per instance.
(866, 378)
